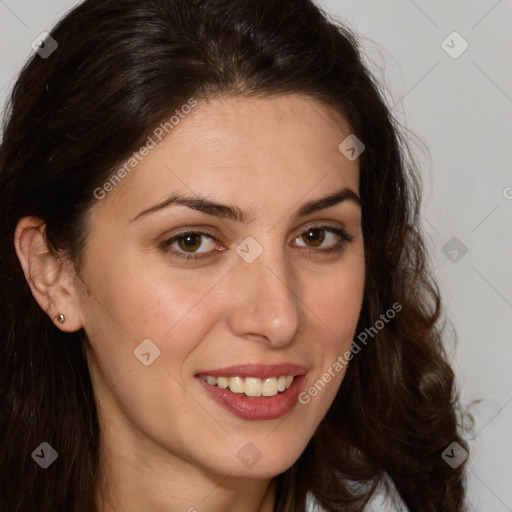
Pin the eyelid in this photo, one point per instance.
(339, 231)
(169, 240)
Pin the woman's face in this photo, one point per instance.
(263, 302)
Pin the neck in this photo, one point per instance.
(141, 477)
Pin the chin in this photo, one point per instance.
(259, 459)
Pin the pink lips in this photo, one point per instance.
(265, 408)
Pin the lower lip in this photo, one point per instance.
(265, 408)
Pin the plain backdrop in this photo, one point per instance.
(458, 107)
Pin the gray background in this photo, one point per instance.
(459, 112)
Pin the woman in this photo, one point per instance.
(214, 285)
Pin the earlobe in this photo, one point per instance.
(49, 278)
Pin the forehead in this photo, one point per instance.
(239, 147)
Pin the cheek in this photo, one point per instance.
(177, 307)
(337, 305)
(130, 301)
(146, 295)
(337, 301)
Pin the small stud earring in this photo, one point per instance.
(60, 318)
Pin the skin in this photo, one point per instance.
(166, 445)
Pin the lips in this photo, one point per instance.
(255, 392)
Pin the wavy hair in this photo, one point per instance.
(122, 66)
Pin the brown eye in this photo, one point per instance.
(193, 245)
(190, 245)
(190, 242)
(322, 240)
(314, 236)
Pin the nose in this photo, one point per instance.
(266, 306)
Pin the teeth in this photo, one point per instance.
(269, 387)
(236, 384)
(252, 386)
(222, 382)
(211, 380)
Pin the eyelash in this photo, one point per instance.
(344, 238)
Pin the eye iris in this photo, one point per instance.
(190, 242)
(310, 236)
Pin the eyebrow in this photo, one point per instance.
(236, 214)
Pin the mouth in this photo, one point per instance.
(251, 387)
(255, 392)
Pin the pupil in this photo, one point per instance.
(190, 241)
(317, 240)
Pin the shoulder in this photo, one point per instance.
(384, 499)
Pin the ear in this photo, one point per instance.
(50, 277)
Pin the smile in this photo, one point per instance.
(252, 386)
(254, 392)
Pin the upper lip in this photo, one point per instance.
(256, 370)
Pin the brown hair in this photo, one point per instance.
(122, 66)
